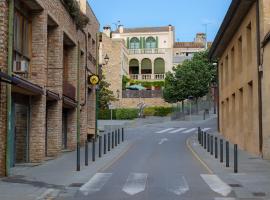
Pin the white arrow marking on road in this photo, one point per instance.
(135, 184)
(178, 130)
(206, 129)
(216, 184)
(95, 183)
(180, 186)
(165, 130)
(190, 130)
(163, 140)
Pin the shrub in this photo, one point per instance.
(106, 114)
(158, 111)
(126, 113)
(149, 111)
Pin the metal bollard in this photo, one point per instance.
(212, 145)
(99, 146)
(109, 141)
(216, 147)
(221, 150)
(199, 135)
(78, 157)
(227, 154)
(204, 135)
(202, 138)
(86, 153)
(94, 150)
(112, 140)
(115, 138)
(118, 136)
(123, 135)
(235, 158)
(208, 143)
(105, 143)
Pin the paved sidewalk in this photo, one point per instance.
(47, 180)
(253, 178)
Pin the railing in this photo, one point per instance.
(142, 94)
(69, 90)
(147, 76)
(147, 51)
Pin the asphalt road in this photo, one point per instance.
(158, 166)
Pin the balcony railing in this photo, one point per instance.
(147, 76)
(142, 93)
(69, 90)
(147, 51)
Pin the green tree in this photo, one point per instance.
(105, 94)
(191, 78)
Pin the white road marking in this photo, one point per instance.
(135, 183)
(206, 129)
(178, 130)
(163, 140)
(165, 130)
(180, 186)
(95, 183)
(224, 198)
(190, 130)
(216, 184)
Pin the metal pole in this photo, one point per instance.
(99, 146)
(118, 136)
(204, 140)
(115, 138)
(93, 150)
(212, 145)
(216, 148)
(235, 158)
(105, 142)
(190, 111)
(221, 150)
(78, 108)
(86, 153)
(123, 135)
(109, 142)
(199, 134)
(112, 140)
(208, 143)
(227, 154)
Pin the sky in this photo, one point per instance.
(188, 16)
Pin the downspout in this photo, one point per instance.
(9, 98)
(260, 73)
(78, 107)
(217, 98)
(86, 68)
(97, 90)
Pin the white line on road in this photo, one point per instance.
(216, 184)
(165, 130)
(224, 198)
(95, 183)
(180, 186)
(206, 129)
(135, 183)
(190, 130)
(178, 130)
(163, 140)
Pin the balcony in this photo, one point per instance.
(147, 51)
(147, 76)
(142, 94)
(69, 90)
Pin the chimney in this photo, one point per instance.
(200, 38)
(170, 27)
(121, 28)
(107, 31)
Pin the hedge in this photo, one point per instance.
(158, 111)
(119, 114)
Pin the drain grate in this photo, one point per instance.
(259, 194)
(235, 185)
(75, 184)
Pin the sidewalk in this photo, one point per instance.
(253, 178)
(47, 180)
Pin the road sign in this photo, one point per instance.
(93, 79)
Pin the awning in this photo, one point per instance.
(52, 96)
(5, 78)
(69, 103)
(25, 87)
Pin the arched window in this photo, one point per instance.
(146, 66)
(150, 43)
(134, 43)
(159, 66)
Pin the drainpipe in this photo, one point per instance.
(260, 73)
(78, 107)
(86, 67)
(97, 89)
(10, 58)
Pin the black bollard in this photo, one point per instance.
(204, 135)
(105, 143)
(109, 141)
(221, 150)
(208, 143)
(78, 157)
(199, 135)
(118, 136)
(115, 138)
(212, 145)
(94, 150)
(235, 158)
(123, 135)
(202, 138)
(216, 147)
(86, 153)
(112, 140)
(227, 154)
(99, 146)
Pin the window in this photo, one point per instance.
(22, 43)
(232, 63)
(134, 43)
(249, 43)
(93, 43)
(240, 54)
(150, 43)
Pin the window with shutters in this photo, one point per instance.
(134, 43)
(150, 43)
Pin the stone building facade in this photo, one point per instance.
(242, 49)
(48, 50)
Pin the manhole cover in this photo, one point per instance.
(235, 185)
(76, 185)
(259, 194)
